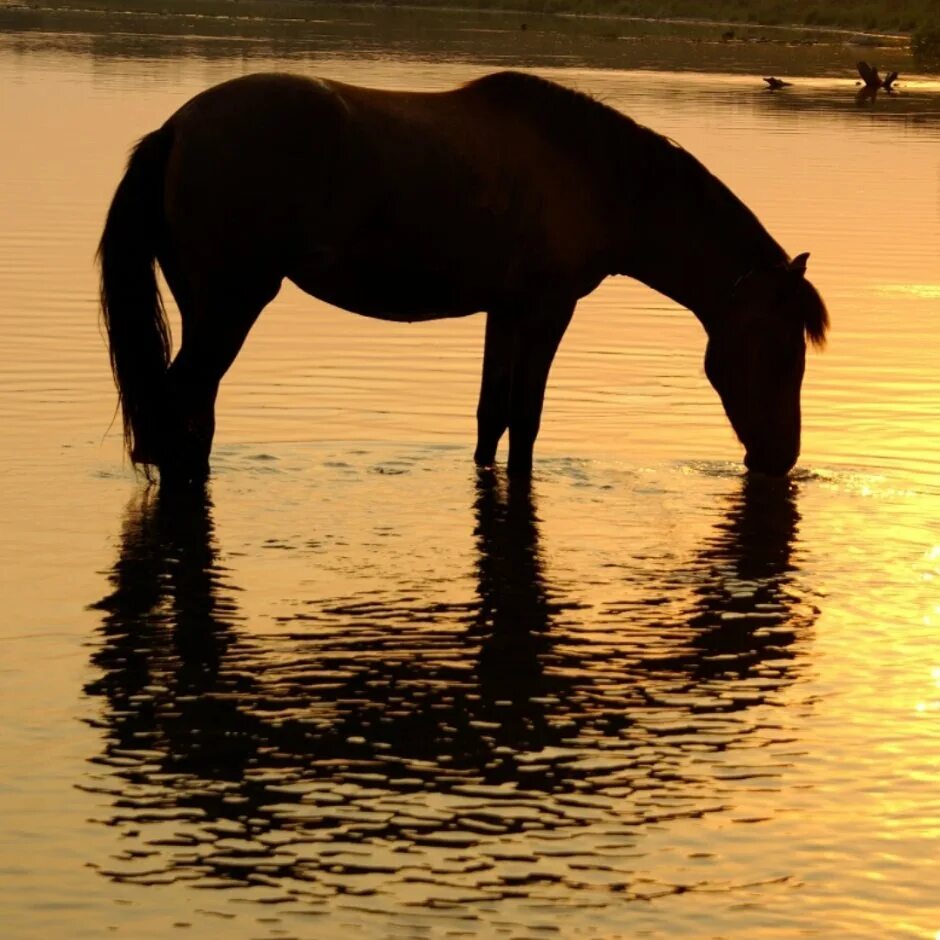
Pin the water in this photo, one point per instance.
(361, 690)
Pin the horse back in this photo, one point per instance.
(395, 204)
(478, 172)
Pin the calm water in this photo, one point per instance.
(360, 690)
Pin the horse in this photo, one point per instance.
(510, 195)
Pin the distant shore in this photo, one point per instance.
(887, 16)
(915, 24)
(906, 17)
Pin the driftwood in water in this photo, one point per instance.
(869, 74)
(873, 80)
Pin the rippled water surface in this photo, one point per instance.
(358, 688)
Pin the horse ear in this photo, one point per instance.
(798, 265)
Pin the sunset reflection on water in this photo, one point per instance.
(405, 735)
(355, 688)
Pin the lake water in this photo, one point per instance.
(361, 690)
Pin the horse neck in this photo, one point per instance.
(686, 235)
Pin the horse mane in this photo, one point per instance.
(580, 123)
(547, 98)
(573, 120)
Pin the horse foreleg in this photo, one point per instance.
(493, 408)
(540, 332)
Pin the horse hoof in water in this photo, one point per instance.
(178, 475)
(779, 467)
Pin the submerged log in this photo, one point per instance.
(869, 75)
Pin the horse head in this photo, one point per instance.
(756, 356)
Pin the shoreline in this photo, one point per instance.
(621, 10)
(483, 6)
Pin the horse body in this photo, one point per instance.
(510, 195)
(401, 206)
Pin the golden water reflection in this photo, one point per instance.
(379, 744)
(438, 692)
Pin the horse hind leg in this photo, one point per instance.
(215, 324)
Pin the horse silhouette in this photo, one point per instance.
(510, 195)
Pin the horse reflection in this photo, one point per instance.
(513, 621)
(167, 633)
(747, 610)
(166, 571)
(368, 709)
(171, 640)
(180, 676)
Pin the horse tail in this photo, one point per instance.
(131, 306)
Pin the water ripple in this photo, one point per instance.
(517, 742)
